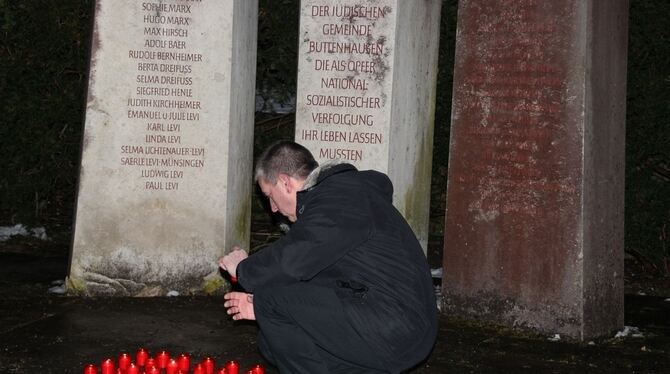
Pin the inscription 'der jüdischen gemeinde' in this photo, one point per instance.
(345, 53)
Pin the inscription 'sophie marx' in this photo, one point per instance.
(166, 8)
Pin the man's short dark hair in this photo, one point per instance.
(284, 157)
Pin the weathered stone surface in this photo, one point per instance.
(534, 227)
(165, 182)
(366, 91)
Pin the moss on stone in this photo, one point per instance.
(416, 200)
(212, 284)
(241, 225)
(75, 286)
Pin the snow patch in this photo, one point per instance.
(629, 331)
(57, 287)
(7, 232)
(58, 290)
(555, 338)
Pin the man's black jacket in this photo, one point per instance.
(349, 237)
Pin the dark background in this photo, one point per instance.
(44, 50)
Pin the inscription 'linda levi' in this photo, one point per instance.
(344, 53)
(164, 105)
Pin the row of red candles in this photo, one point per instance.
(163, 364)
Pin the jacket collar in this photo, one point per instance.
(324, 171)
(317, 175)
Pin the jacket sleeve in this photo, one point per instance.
(334, 222)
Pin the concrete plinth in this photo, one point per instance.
(366, 91)
(534, 226)
(165, 183)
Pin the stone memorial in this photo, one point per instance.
(165, 180)
(534, 225)
(366, 91)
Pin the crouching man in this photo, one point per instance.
(348, 288)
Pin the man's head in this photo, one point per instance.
(281, 171)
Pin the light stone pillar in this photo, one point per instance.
(165, 183)
(366, 91)
(534, 225)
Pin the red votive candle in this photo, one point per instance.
(184, 362)
(258, 369)
(172, 366)
(90, 369)
(199, 369)
(133, 369)
(222, 371)
(232, 367)
(141, 357)
(162, 359)
(208, 364)
(107, 366)
(150, 362)
(152, 370)
(124, 361)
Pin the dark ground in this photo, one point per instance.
(47, 333)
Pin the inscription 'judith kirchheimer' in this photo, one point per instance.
(165, 103)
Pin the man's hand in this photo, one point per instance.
(230, 261)
(240, 305)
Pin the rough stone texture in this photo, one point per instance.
(534, 227)
(366, 91)
(167, 150)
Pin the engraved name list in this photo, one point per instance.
(164, 106)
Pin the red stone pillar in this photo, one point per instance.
(534, 227)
